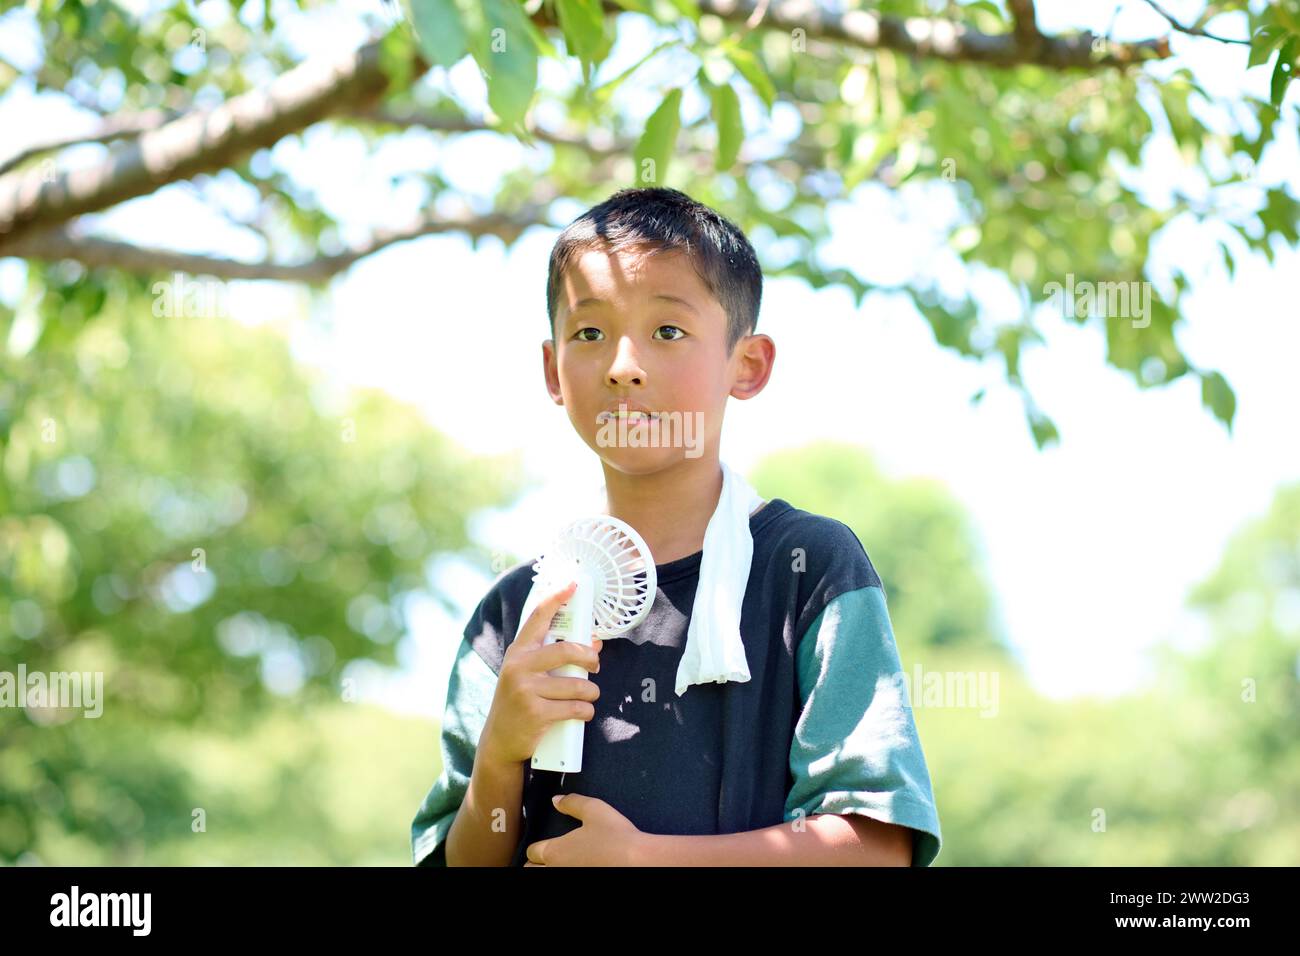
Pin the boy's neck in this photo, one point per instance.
(670, 509)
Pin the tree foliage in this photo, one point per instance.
(188, 513)
(773, 113)
(920, 540)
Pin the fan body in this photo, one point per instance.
(616, 586)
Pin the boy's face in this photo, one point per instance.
(644, 329)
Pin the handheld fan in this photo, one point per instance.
(616, 586)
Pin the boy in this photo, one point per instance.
(815, 759)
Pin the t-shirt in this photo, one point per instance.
(823, 725)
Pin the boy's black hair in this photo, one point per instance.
(656, 219)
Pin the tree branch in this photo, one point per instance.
(936, 38)
(1193, 30)
(205, 140)
(256, 225)
(599, 144)
(197, 142)
(1025, 29)
(110, 129)
(96, 251)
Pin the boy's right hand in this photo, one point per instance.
(528, 700)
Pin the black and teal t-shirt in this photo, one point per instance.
(824, 724)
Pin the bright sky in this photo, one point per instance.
(1091, 546)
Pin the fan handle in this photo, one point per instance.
(560, 748)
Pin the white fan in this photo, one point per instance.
(616, 586)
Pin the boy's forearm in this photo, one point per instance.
(479, 835)
(825, 839)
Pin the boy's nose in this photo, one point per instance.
(626, 370)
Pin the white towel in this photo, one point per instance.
(714, 652)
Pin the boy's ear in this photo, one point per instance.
(755, 355)
(551, 372)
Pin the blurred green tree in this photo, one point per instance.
(919, 538)
(1200, 768)
(1241, 689)
(188, 512)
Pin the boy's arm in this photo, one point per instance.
(471, 783)
(855, 749)
(485, 830)
(824, 839)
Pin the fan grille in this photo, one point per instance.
(615, 556)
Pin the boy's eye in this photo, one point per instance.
(581, 338)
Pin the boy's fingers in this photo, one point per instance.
(562, 653)
(575, 804)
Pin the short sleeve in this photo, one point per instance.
(855, 746)
(469, 699)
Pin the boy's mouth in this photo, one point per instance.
(632, 417)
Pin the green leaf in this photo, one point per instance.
(1283, 70)
(540, 40)
(1183, 125)
(606, 90)
(885, 143)
(439, 30)
(952, 325)
(731, 128)
(657, 142)
(1043, 429)
(504, 49)
(753, 70)
(783, 225)
(1281, 215)
(1040, 425)
(1217, 395)
(687, 8)
(988, 7)
(1228, 260)
(583, 23)
(1008, 343)
(1262, 44)
(396, 59)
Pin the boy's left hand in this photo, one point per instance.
(606, 837)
